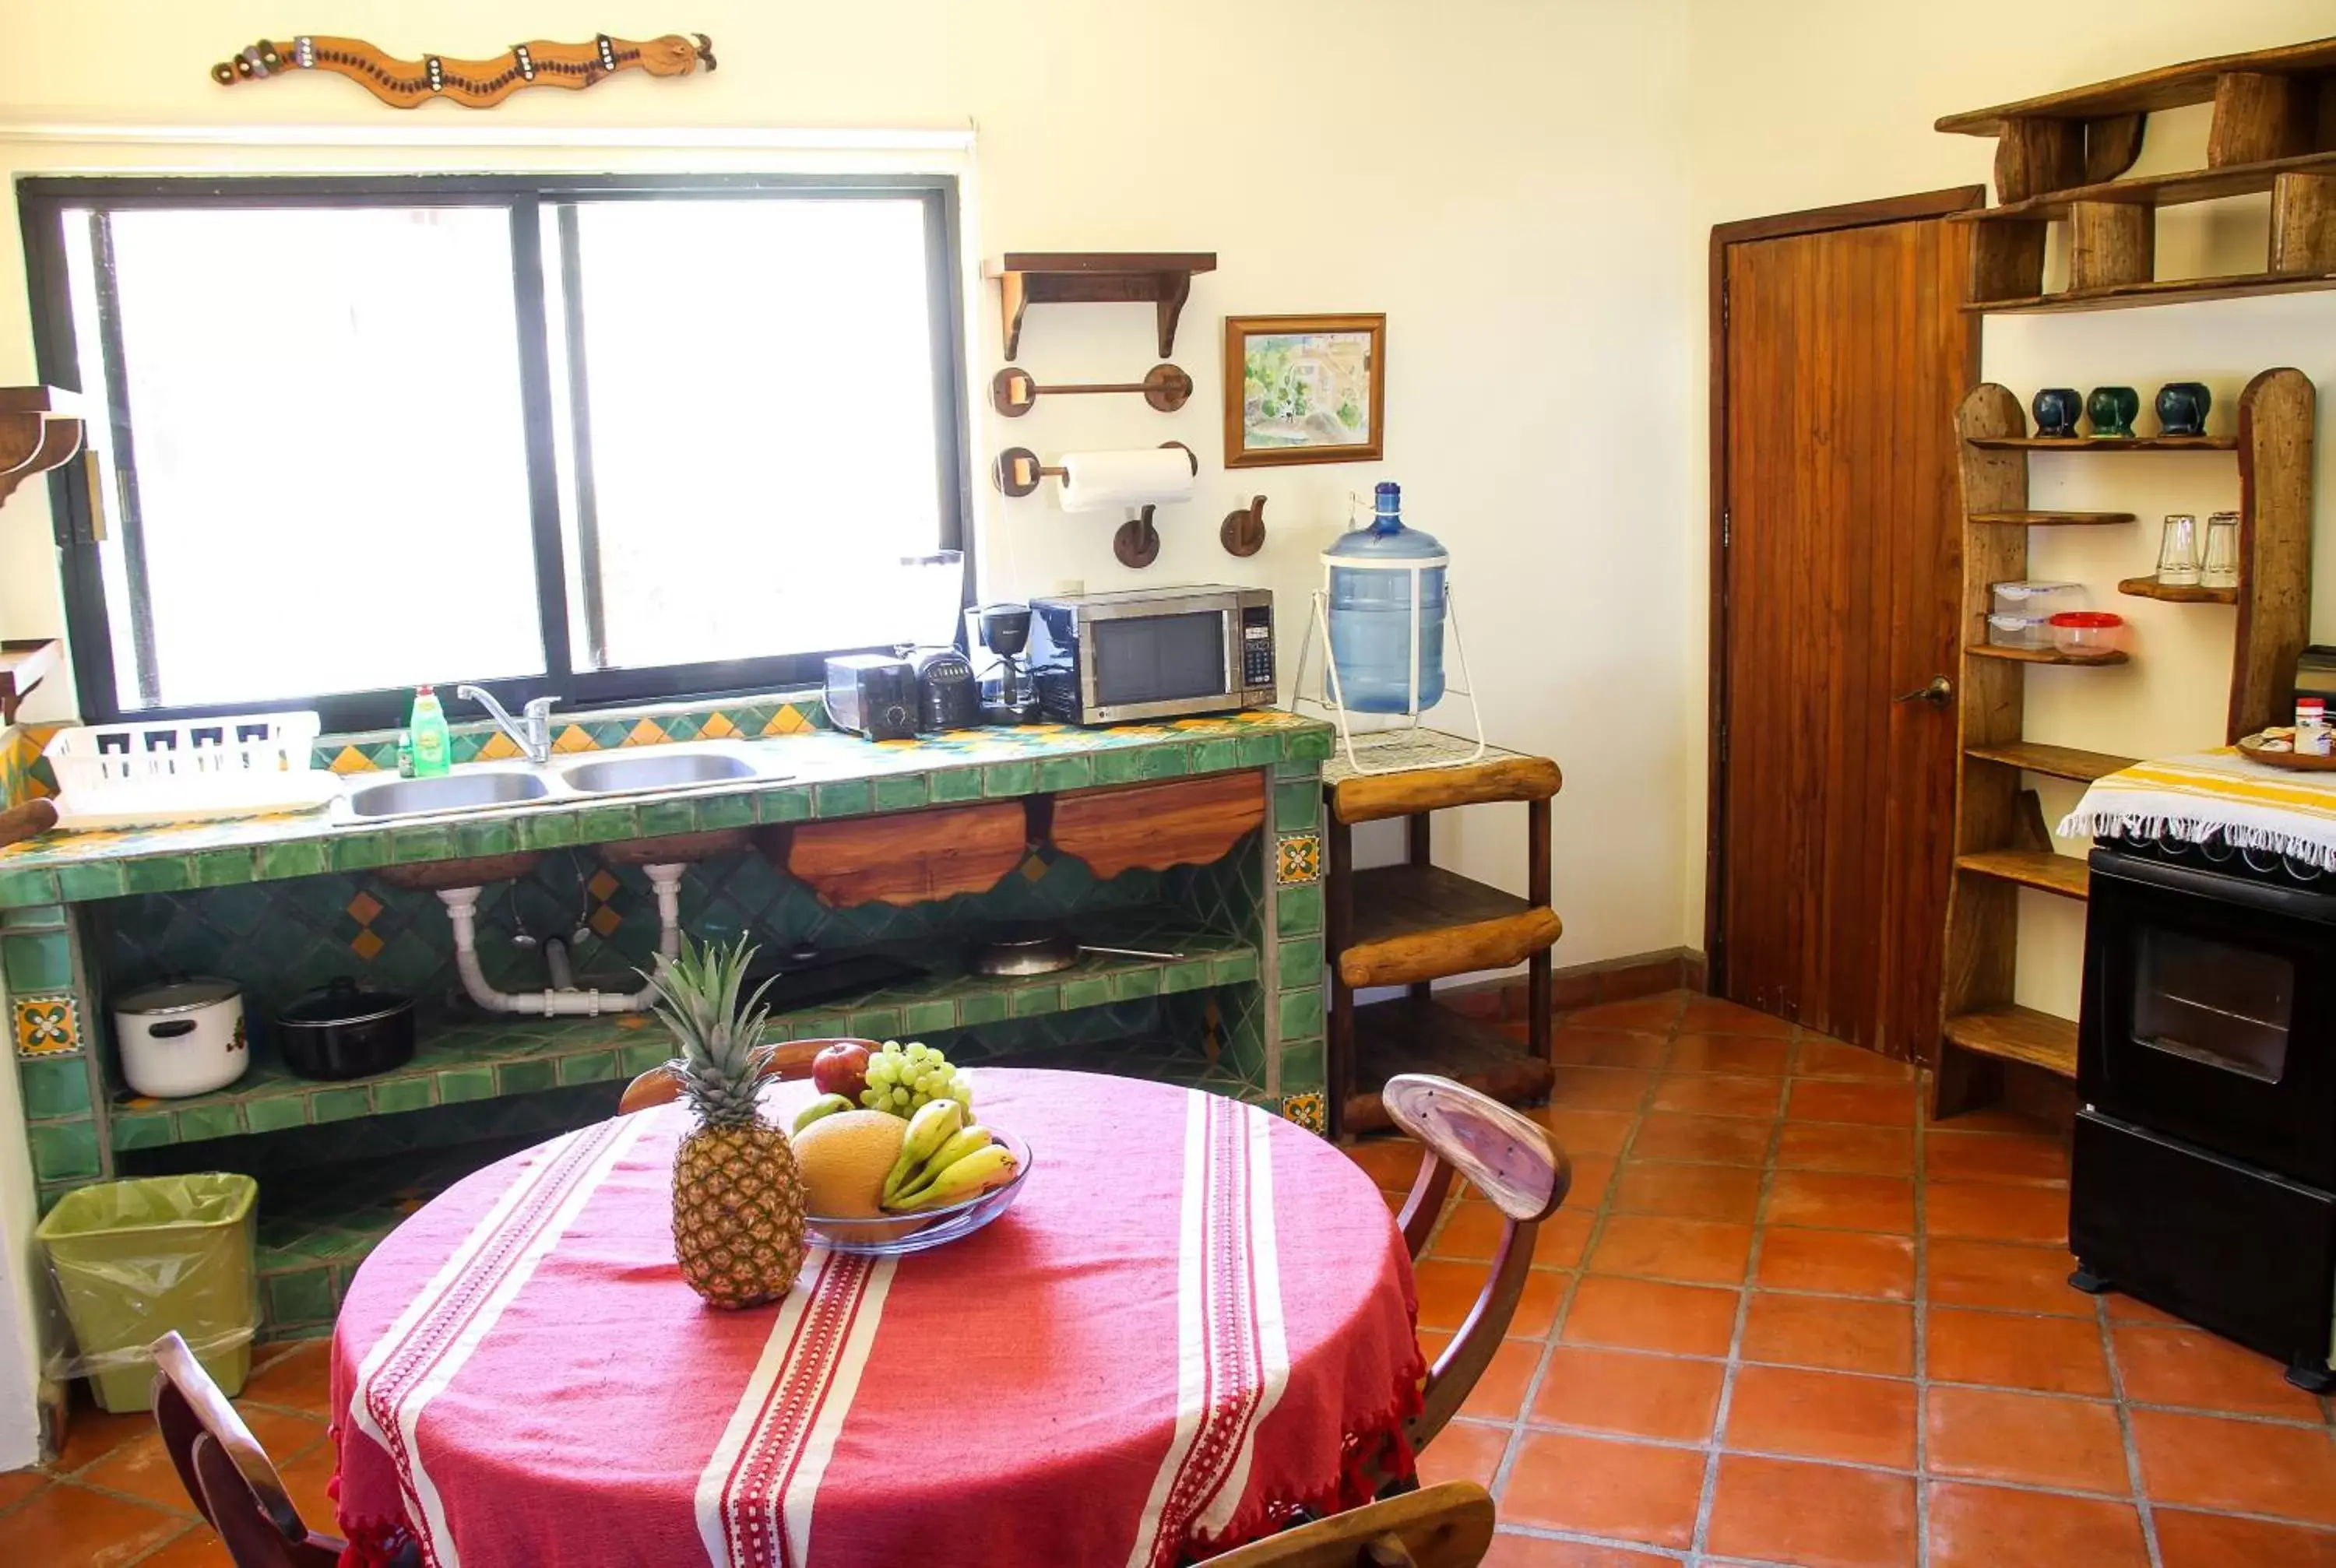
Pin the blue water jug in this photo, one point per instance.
(1375, 574)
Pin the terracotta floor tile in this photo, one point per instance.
(2125, 1308)
(1833, 1200)
(1629, 1395)
(1994, 1119)
(1448, 1292)
(16, 1485)
(1604, 1486)
(1731, 1192)
(1471, 1231)
(1645, 1315)
(1693, 1252)
(1811, 1515)
(1543, 1551)
(2204, 1372)
(1717, 1095)
(1598, 1088)
(2209, 1540)
(2048, 1355)
(1708, 1016)
(2041, 1439)
(2000, 1274)
(1823, 1416)
(1587, 1131)
(91, 1434)
(1996, 1527)
(1994, 1157)
(1565, 1235)
(1500, 1391)
(2245, 1467)
(307, 1481)
(1593, 1175)
(144, 1470)
(1741, 1054)
(1835, 1262)
(1712, 1140)
(300, 1379)
(1843, 1146)
(1988, 1212)
(1820, 1332)
(69, 1524)
(1868, 1104)
(1391, 1163)
(1825, 1058)
(1464, 1451)
(1658, 1015)
(199, 1547)
(1592, 1048)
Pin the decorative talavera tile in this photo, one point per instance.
(46, 1026)
(1309, 1111)
(1298, 859)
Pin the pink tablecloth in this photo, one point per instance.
(1196, 1318)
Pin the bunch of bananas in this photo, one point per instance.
(944, 1159)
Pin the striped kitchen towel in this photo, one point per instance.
(2215, 793)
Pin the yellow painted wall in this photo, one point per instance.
(1800, 103)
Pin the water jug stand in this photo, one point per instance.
(1403, 748)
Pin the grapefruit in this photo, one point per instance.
(845, 1159)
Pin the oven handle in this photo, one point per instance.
(2296, 903)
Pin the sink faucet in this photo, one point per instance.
(530, 732)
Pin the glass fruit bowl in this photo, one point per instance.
(890, 1235)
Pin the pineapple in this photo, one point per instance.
(737, 1197)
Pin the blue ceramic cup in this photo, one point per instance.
(2056, 409)
(2181, 408)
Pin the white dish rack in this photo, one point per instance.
(187, 770)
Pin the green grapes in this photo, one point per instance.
(903, 1079)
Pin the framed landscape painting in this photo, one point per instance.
(1304, 389)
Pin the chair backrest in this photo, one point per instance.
(251, 1537)
(190, 1410)
(1514, 1162)
(1445, 1527)
(791, 1060)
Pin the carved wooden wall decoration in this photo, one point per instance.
(473, 83)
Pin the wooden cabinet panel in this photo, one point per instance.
(908, 858)
(1181, 822)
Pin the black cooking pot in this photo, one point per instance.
(341, 1032)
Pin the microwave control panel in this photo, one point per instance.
(1257, 645)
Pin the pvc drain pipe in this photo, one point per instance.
(560, 999)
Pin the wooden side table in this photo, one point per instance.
(1411, 923)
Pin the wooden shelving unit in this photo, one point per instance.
(1414, 922)
(2021, 518)
(2058, 159)
(2177, 592)
(2000, 844)
(1163, 279)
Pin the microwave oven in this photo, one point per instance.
(1152, 653)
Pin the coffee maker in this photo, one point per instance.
(1007, 695)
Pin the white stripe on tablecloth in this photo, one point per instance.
(1233, 1354)
(445, 1325)
(756, 1495)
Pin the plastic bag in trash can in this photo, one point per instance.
(134, 1259)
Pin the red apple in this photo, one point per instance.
(841, 1070)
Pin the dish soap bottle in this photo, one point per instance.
(432, 746)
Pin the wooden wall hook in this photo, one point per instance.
(1243, 529)
(1137, 542)
(1013, 392)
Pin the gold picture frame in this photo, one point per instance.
(1305, 389)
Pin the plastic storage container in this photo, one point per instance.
(1383, 578)
(2022, 612)
(135, 1259)
(2088, 631)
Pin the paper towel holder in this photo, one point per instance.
(1017, 470)
(1135, 542)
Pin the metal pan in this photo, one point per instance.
(1042, 952)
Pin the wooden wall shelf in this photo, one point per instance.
(1162, 277)
(25, 663)
(2106, 443)
(2020, 518)
(2175, 592)
(2179, 291)
(40, 427)
(2165, 87)
(2178, 190)
(2000, 841)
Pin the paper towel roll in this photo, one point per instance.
(1094, 480)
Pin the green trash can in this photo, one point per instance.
(136, 1259)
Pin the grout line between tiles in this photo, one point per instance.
(2125, 1432)
(1923, 1485)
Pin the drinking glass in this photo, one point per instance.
(2177, 552)
(2221, 567)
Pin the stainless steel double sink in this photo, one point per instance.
(484, 786)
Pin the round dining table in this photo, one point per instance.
(1196, 1320)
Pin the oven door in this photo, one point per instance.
(2208, 1009)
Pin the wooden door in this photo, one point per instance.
(1838, 585)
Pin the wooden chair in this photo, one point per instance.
(1514, 1162)
(228, 1474)
(792, 1060)
(1446, 1526)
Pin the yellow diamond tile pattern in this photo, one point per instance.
(644, 734)
(1034, 868)
(718, 726)
(350, 760)
(46, 1026)
(572, 739)
(363, 908)
(500, 747)
(603, 885)
(366, 945)
(788, 720)
(606, 919)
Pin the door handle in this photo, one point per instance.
(1937, 694)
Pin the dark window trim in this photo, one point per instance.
(42, 201)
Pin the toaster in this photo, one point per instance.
(947, 696)
(874, 695)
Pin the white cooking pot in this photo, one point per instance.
(182, 1039)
